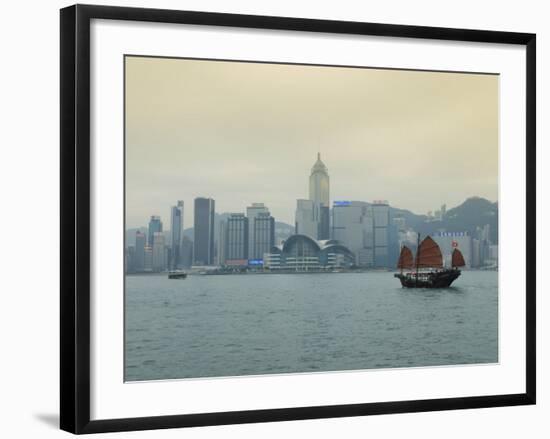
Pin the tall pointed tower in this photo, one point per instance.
(319, 183)
(319, 193)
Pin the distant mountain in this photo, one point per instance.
(283, 231)
(473, 213)
(412, 220)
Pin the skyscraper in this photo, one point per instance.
(263, 235)
(483, 235)
(251, 213)
(366, 254)
(319, 182)
(155, 225)
(176, 230)
(381, 216)
(236, 237)
(159, 252)
(186, 252)
(203, 250)
(305, 219)
(139, 255)
(352, 225)
(221, 243)
(313, 215)
(323, 226)
(148, 259)
(130, 260)
(261, 230)
(319, 193)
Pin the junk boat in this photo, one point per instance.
(427, 270)
(177, 275)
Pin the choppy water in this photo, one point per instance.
(207, 326)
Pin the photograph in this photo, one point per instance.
(298, 218)
(279, 219)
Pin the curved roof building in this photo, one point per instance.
(303, 253)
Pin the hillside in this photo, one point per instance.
(472, 213)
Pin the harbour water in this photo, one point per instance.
(213, 326)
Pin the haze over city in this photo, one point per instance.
(248, 132)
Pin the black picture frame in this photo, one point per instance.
(75, 217)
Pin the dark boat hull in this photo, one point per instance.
(177, 275)
(433, 279)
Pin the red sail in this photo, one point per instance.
(457, 259)
(429, 254)
(405, 258)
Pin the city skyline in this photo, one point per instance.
(189, 225)
(366, 232)
(351, 234)
(184, 141)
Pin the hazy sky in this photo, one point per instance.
(250, 132)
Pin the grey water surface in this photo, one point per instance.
(231, 325)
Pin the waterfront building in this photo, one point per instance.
(483, 234)
(348, 223)
(168, 252)
(493, 252)
(482, 248)
(159, 252)
(176, 230)
(130, 259)
(272, 261)
(263, 235)
(367, 231)
(236, 238)
(365, 257)
(305, 222)
(261, 230)
(353, 226)
(252, 212)
(475, 261)
(381, 222)
(324, 222)
(236, 264)
(448, 241)
(148, 259)
(303, 253)
(203, 251)
(155, 226)
(139, 256)
(368, 237)
(221, 243)
(186, 252)
(492, 257)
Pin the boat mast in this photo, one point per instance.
(401, 263)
